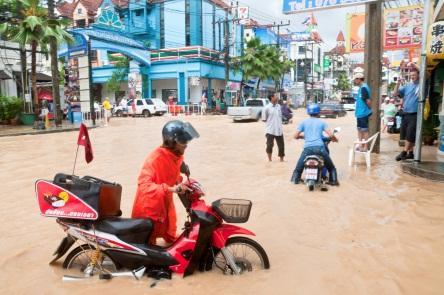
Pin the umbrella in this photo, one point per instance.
(44, 95)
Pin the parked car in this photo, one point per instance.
(348, 103)
(160, 107)
(251, 111)
(332, 110)
(144, 108)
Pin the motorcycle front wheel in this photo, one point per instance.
(247, 253)
(80, 260)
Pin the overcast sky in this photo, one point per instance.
(330, 21)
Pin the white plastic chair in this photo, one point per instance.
(367, 154)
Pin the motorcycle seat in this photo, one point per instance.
(314, 157)
(128, 229)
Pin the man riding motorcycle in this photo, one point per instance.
(160, 178)
(313, 129)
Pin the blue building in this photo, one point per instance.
(184, 40)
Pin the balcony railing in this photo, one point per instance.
(194, 52)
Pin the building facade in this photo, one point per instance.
(185, 40)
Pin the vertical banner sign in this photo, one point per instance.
(435, 42)
(356, 32)
(134, 79)
(85, 105)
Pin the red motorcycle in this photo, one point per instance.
(107, 244)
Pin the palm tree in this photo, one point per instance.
(34, 28)
(260, 61)
(56, 35)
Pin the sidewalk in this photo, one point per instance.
(9, 130)
(430, 167)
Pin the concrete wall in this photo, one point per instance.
(8, 87)
(111, 95)
(158, 85)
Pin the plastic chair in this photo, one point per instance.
(367, 154)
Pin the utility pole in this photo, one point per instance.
(278, 31)
(279, 48)
(422, 83)
(227, 40)
(372, 60)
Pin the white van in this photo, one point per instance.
(160, 107)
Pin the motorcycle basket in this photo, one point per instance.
(233, 210)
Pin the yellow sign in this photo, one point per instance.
(435, 41)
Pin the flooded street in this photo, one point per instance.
(379, 232)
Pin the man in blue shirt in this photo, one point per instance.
(313, 129)
(410, 95)
(363, 109)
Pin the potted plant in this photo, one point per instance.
(10, 109)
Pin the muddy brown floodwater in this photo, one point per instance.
(379, 232)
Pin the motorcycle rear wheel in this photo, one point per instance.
(79, 259)
(247, 253)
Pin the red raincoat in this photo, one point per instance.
(160, 170)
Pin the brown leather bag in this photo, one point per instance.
(109, 197)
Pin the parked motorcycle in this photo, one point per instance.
(316, 174)
(88, 209)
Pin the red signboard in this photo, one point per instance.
(54, 201)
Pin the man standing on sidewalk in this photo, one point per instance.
(363, 109)
(272, 115)
(410, 96)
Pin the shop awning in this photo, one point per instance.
(41, 77)
(4, 76)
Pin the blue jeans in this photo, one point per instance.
(315, 150)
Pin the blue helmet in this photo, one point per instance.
(313, 109)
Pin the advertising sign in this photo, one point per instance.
(297, 6)
(243, 13)
(300, 36)
(55, 201)
(435, 41)
(402, 29)
(356, 32)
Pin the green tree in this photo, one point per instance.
(35, 28)
(120, 73)
(343, 83)
(260, 61)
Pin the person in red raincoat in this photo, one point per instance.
(160, 178)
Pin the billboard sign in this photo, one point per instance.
(243, 13)
(356, 32)
(300, 36)
(435, 41)
(297, 6)
(402, 29)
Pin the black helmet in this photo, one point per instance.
(178, 131)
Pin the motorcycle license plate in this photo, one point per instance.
(390, 123)
(311, 173)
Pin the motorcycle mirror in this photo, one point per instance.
(337, 129)
(185, 169)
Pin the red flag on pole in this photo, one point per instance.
(84, 140)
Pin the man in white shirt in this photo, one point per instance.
(272, 115)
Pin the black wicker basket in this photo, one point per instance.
(233, 210)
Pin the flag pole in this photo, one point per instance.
(75, 160)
